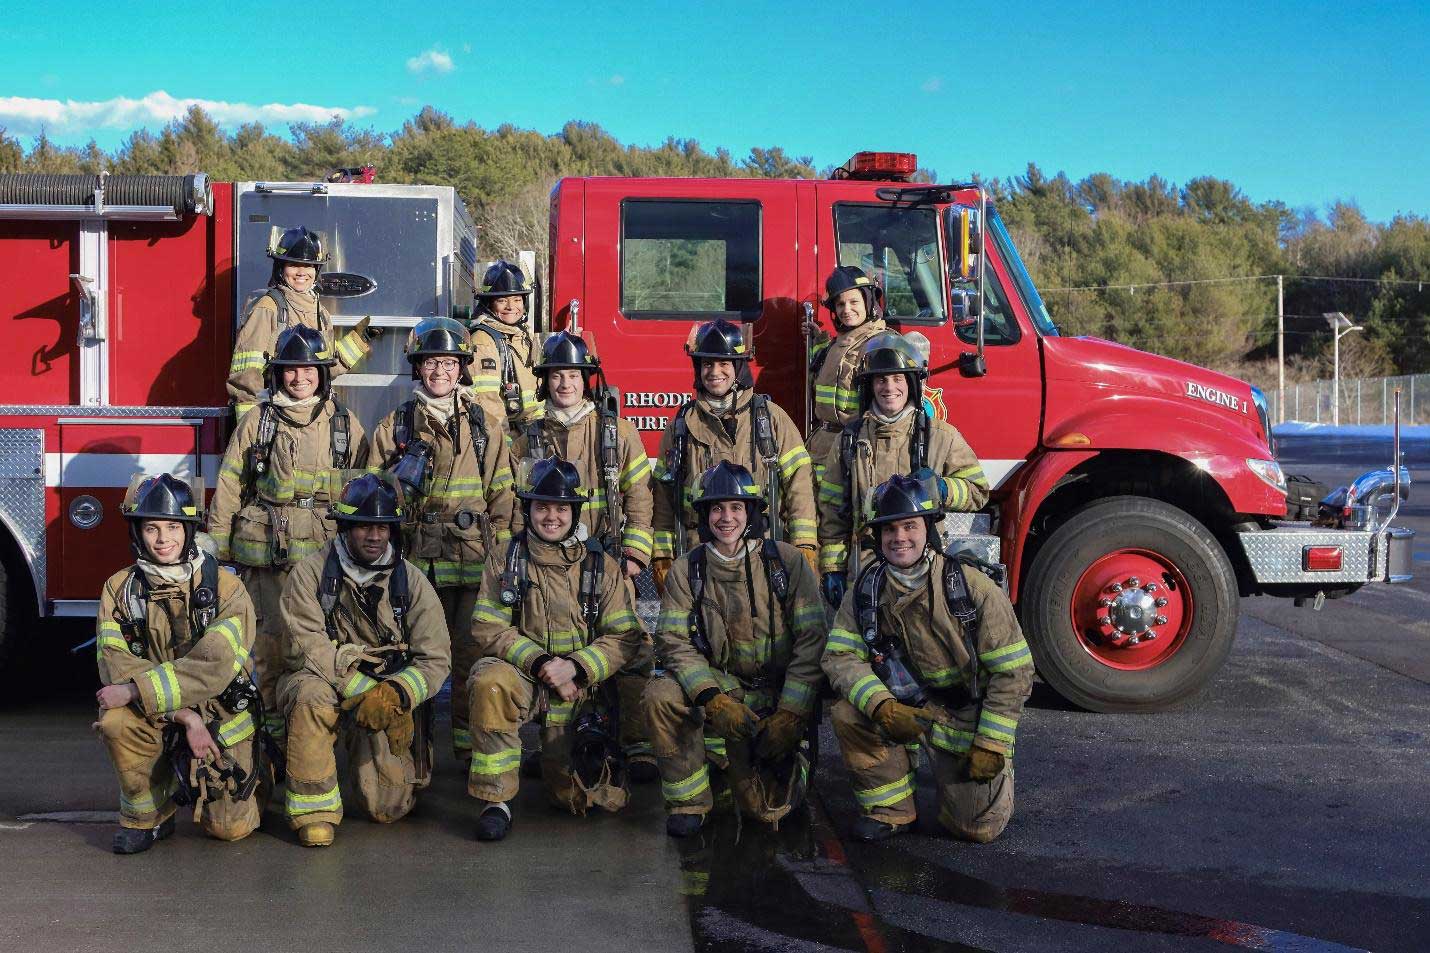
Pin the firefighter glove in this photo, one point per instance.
(902, 723)
(984, 765)
(367, 329)
(779, 735)
(811, 556)
(834, 583)
(399, 733)
(658, 569)
(377, 707)
(731, 719)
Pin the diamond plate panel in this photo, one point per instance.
(22, 497)
(1275, 554)
(71, 410)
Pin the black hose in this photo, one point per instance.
(175, 192)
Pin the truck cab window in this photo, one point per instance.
(999, 326)
(688, 260)
(899, 249)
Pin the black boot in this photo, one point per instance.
(495, 822)
(868, 830)
(531, 764)
(683, 825)
(130, 840)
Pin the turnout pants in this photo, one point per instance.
(503, 699)
(383, 782)
(265, 588)
(631, 683)
(882, 773)
(135, 744)
(458, 602)
(682, 750)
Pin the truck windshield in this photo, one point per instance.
(898, 248)
(1026, 289)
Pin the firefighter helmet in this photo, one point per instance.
(163, 497)
(440, 337)
(299, 246)
(729, 481)
(889, 352)
(503, 279)
(564, 351)
(367, 499)
(300, 346)
(553, 480)
(848, 277)
(904, 497)
(719, 340)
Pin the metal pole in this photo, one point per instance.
(1358, 383)
(1384, 389)
(1336, 381)
(1281, 349)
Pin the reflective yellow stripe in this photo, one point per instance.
(415, 683)
(358, 684)
(862, 692)
(594, 662)
(996, 726)
(522, 652)
(886, 794)
(687, 788)
(500, 762)
(236, 729)
(299, 804)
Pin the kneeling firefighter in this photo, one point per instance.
(554, 621)
(453, 464)
(280, 474)
(740, 635)
(925, 650)
(367, 648)
(179, 711)
(583, 426)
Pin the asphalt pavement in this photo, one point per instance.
(1283, 810)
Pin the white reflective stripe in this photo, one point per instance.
(117, 469)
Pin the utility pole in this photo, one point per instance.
(1280, 350)
(1340, 327)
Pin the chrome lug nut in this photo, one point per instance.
(1150, 587)
(1134, 583)
(1134, 640)
(1159, 603)
(1103, 620)
(1149, 636)
(1115, 587)
(1160, 620)
(1105, 603)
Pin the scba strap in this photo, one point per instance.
(134, 595)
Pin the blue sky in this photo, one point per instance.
(1304, 102)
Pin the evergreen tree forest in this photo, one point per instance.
(1143, 263)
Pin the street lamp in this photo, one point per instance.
(1340, 326)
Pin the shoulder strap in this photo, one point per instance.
(866, 601)
(399, 596)
(281, 303)
(695, 622)
(261, 451)
(510, 386)
(328, 585)
(764, 429)
(341, 434)
(477, 424)
(676, 459)
(406, 426)
(610, 445)
(776, 573)
(848, 440)
(134, 600)
(537, 446)
(593, 575)
(513, 577)
(919, 441)
(960, 606)
(203, 598)
(820, 356)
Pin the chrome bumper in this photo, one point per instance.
(1279, 555)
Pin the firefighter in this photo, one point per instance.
(894, 433)
(291, 298)
(856, 305)
(503, 348)
(554, 621)
(740, 635)
(280, 474)
(178, 706)
(728, 421)
(367, 647)
(452, 461)
(582, 425)
(926, 651)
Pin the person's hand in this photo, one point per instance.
(377, 707)
(902, 723)
(731, 719)
(117, 696)
(558, 672)
(984, 765)
(659, 567)
(834, 585)
(779, 734)
(367, 329)
(567, 691)
(400, 733)
(201, 740)
(631, 564)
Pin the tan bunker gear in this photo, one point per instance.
(835, 394)
(502, 378)
(259, 333)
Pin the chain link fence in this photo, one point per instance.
(1369, 400)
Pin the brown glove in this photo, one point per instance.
(730, 719)
(377, 707)
(399, 733)
(366, 329)
(811, 556)
(902, 723)
(984, 765)
(659, 567)
(778, 735)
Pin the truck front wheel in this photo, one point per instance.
(1131, 605)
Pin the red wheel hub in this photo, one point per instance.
(1132, 609)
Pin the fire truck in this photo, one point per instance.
(1136, 497)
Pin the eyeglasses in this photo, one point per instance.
(440, 364)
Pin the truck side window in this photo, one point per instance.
(899, 249)
(999, 326)
(690, 260)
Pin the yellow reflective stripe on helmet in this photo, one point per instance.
(496, 763)
(886, 795)
(686, 788)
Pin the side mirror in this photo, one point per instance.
(972, 364)
(966, 305)
(970, 245)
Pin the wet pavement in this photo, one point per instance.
(1284, 810)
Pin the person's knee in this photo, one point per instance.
(117, 723)
(663, 699)
(495, 690)
(847, 720)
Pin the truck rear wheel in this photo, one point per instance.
(1131, 605)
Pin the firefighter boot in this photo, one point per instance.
(869, 829)
(134, 840)
(495, 822)
(683, 825)
(317, 834)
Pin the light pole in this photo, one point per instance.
(1340, 327)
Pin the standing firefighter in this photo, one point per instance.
(856, 305)
(582, 425)
(504, 350)
(728, 421)
(290, 299)
(452, 462)
(555, 620)
(893, 433)
(367, 647)
(178, 706)
(282, 471)
(741, 631)
(926, 650)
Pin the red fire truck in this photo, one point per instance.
(1137, 497)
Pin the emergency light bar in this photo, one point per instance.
(880, 167)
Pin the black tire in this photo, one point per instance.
(9, 631)
(1093, 531)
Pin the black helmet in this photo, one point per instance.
(846, 277)
(300, 346)
(564, 351)
(889, 352)
(440, 337)
(553, 480)
(903, 497)
(503, 279)
(367, 499)
(719, 340)
(299, 246)
(729, 481)
(163, 497)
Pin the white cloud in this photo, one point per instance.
(433, 59)
(466, 47)
(28, 116)
(932, 85)
(617, 80)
